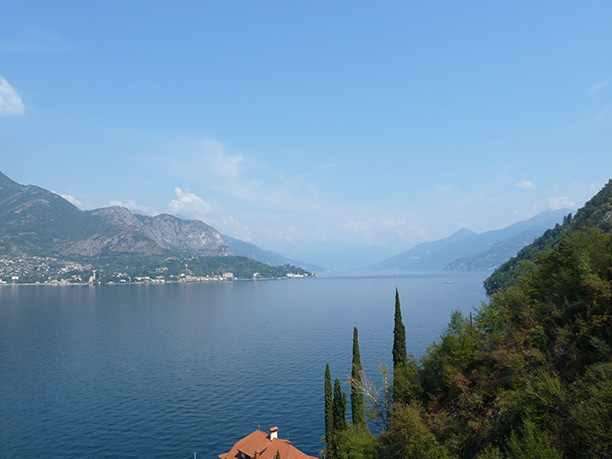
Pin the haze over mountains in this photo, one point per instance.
(466, 250)
(269, 257)
(35, 221)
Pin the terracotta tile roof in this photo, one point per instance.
(259, 442)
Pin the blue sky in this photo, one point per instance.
(311, 128)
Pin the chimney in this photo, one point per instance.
(256, 455)
(273, 433)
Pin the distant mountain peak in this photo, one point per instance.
(463, 244)
(4, 180)
(8, 187)
(461, 233)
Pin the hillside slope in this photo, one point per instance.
(269, 257)
(596, 213)
(529, 375)
(35, 221)
(496, 255)
(451, 252)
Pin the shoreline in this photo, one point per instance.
(93, 284)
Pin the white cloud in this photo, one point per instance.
(229, 225)
(208, 162)
(71, 199)
(600, 86)
(221, 163)
(526, 185)
(561, 202)
(131, 205)
(189, 204)
(10, 100)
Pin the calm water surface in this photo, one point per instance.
(166, 370)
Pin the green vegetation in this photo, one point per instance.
(357, 407)
(339, 425)
(529, 377)
(46, 239)
(329, 403)
(400, 357)
(171, 268)
(596, 213)
(119, 268)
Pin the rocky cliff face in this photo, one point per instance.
(39, 222)
(185, 236)
(124, 232)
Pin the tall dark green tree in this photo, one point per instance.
(339, 408)
(344, 405)
(357, 407)
(329, 402)
(277, 456)
(400, 356)
(339, 416)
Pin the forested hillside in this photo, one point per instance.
(529, 376)
(596, 213)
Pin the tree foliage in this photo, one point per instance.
(400, 357)
(357, 406)
(596, 213)
(338, 424)
(358, 443)
(329, 401)
(531, 376)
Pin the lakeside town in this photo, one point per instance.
(54, 271)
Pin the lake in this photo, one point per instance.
(166, 370)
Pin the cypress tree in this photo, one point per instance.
(357, 408)
(400, 356)
(277, 454)
(339, 417)
(338, 408)
(329, 420)
(343, 423)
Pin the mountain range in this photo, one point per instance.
(467, 250)
(36, 221)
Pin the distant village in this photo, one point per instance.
(53, 271)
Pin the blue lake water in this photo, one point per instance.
(166, 370)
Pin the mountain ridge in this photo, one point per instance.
(451, 252)
(37, 221)
(596, 213)
(250, 250)
(496, 255)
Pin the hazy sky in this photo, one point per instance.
(302, 125)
